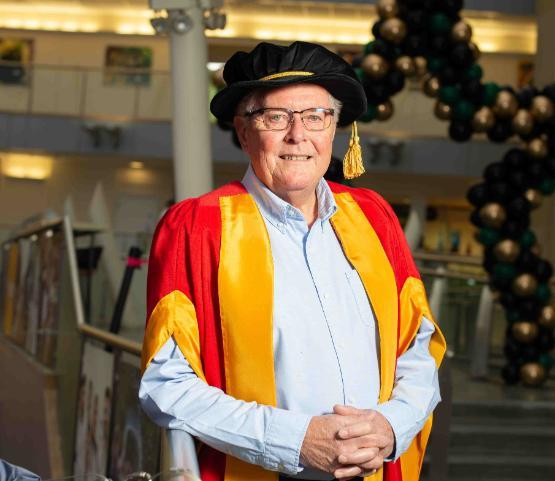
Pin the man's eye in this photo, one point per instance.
(276, 117)
(314, 118)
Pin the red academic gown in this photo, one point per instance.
(210, 286)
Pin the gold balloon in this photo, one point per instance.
(483, 120)
(475, 50)
(547, 317)
(431, 86)
(493, 215)
(533, 374)
(442, 111)
(537, 148)
(534, 197)
(387, 8)
(421, 65)
(406, 65)
(506, 105)
(525, 331)
(507, 250)
(385, 111)
(218, 78)
(523, 122)
(461, 32)
(374, 66)
(393, 30)
(525, 285)
(542, 108)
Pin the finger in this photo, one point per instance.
(362, 428)
(344, 409)
(373, 464)
(347, 472)
(359, 456)
(368, 473)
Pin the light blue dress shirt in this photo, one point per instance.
(325, 353)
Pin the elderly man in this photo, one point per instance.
(288, 328)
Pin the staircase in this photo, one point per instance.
(502, 441)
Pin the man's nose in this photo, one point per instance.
(296, 132)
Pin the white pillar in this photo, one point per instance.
(482, 334)
(414, 227)
(192, 153)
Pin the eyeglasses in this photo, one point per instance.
(280, 119)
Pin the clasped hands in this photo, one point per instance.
(348, 443)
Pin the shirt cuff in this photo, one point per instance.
(402, 420)
(284, 438)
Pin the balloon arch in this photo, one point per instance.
(429, 39)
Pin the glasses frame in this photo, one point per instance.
(291, 116)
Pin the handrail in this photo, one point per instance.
(447, 258)
(442, 272)
(82, 68)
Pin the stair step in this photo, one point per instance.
(502, 467)
(510, 412)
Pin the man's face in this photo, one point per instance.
(294, 159)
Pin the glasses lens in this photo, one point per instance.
(273, 119)
(316, 119)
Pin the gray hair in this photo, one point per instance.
(252, 100)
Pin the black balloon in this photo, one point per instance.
(529, 308)
(519, 207)
(476, 219)
(501, 131)
(530, 353)
(508, 300)
(376, 29)
(511, 373)
(376, 92)
(543, 270)
(452, 7)
(545, 340)
(415, 44)
(549, 165)
(460, 131)
(448, 75)
(519, 179)
(516, 158)
(549, 92)
(514, 228)
(416, 19)
(536, 172)
(478, 195)
(536, 131)
(473, 90)
(495, 172)
(461, 56)
(525, 96)
(526, 261)
(395, 80)
(501, 191)
(440, 44)
(384, 49)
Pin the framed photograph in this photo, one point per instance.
(127, 66)
(135, 442)
(15, 56)
(94, 410)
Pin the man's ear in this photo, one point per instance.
(240, 125)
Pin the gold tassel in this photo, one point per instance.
(352, 163)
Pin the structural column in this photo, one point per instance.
(192, 153)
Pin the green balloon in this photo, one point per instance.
(440, 23)
(435, 64)
(528, 239)
(547, 186)
(369, 47)
(543, 292)
(513, 316)
(504, 270)
(463, 110)
(360, 73)
(475, 72)
(449, 94)
(489, 95)
(546, 361)
(488, 236)
(370, 114)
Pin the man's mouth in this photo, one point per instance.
(295, 157)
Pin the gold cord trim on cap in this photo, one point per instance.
(352, 163)
(286, 74)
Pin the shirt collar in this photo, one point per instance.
(277, 211)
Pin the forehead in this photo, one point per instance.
(296, 97)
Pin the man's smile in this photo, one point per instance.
(295, 157)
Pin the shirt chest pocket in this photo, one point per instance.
(357, 299)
